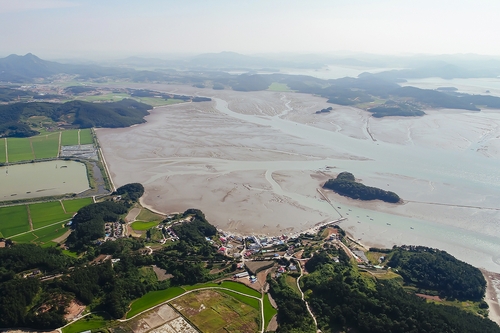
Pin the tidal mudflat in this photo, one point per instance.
(253, 162)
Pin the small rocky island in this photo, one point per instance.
(345, 184)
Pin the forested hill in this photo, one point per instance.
(438, 272)
(346, 185)
(80, 114)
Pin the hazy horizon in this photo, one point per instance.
(111, 29)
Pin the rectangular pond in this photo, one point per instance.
(41, 179)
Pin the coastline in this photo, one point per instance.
(253, 166)
(491, 295)
(148, 207)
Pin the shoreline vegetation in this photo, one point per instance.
(390, 282)
(345, 184)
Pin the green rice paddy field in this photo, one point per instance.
(47, 234)
(89, 323)
(13, 220)
(47, 213)
(86, 137)
(46, 146)
(69, 138)
(153, 298)
(269, 311)
(48, 220)
(73, 206)
(19, 149)
(140, 225)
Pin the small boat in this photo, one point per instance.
(411, 227)
(388, 223)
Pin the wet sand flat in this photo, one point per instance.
(253, 163)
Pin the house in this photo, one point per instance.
(240, 275)
(292, 268)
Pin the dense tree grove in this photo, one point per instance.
(88, 223)
(201, 99)
(396, 110)
(196, 230)
(23, 295)
(132, 191)
(293, 316)
(23, 257)
(438, 271)
(346, 185)
(16, 130)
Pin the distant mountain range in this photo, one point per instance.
(18, 69)
(221, 61)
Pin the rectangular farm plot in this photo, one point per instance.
(48, 234)
(86, 137)
(47, 213)
(46, 146)
(13, 220)
(73, 206)
(3, 143)
(24, 238)
(212, 311)
(69, 138)
(19, 149)
(269, 311)
(178, 325)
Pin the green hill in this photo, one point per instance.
(123, 113)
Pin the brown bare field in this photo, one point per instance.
(256, 265)
(429, 297)
(161, 274)
(74, 309)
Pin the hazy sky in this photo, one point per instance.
(108, 28)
